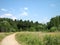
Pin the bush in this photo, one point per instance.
(32, 29)
(52, 29)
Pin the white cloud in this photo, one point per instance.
(8, 16)
(14, 18)
(52, 5)
(25, 8)
(2, 9)
(24, 13)
(10, 10)
(45, 20)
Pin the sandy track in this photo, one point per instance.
(9, 40)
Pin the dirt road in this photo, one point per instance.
(9, 40)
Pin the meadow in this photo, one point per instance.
(38, 38)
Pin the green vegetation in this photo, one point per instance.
(54, 23)
(34, 36)
(38, 38)
(52, 40)
(9, 25)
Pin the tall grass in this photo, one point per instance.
(51, 40)
(28, 39)
(38, 38)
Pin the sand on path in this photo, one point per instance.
(10, 40)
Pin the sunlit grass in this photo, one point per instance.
(38, 38)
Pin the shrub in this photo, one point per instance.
(32, 29)
(52, 29)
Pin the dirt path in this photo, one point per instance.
(10, 40)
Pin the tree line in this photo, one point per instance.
(9, 25)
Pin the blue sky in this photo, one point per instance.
(36, 10)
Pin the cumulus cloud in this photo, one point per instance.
(13, 18)
(45, 20)
(25, 8)
(8, 16)
(10, 10)
(24, 13)
(2, 9)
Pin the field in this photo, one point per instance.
(2, 35)
(38, 38)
